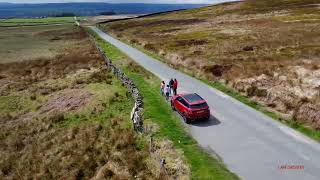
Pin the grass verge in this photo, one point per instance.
(313, 134)
(203, 166)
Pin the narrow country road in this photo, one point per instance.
(251, 144)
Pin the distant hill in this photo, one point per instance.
(9, 10)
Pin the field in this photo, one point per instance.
(65, 116)
(267, 51)
(29, 43)
(36, 21)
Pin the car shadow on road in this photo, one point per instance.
(212, 121)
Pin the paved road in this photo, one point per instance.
(251, 144)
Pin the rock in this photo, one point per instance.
(251, 91)
(45, 91)
(216, 70)
(162, 53)
(262, 77)
(223, 81)
(56, 117)
(248, 48)
(261, 92)
(283, 78)
(2, 76)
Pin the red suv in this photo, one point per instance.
(191, 107)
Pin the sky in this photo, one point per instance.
(118, 1)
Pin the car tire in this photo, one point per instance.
(186, 120)
(172, 106)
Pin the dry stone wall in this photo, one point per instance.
(136, 114)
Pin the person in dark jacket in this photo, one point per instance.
(171, 85)
(175, 86)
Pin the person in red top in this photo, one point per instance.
(175, 86)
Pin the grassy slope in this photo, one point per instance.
(156, 110)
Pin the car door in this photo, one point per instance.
(178, 104)
(184, 106)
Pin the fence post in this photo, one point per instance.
(151, 144)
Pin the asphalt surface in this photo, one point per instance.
(252, 145)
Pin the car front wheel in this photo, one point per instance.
(172, 106)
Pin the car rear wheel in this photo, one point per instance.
(186, 120)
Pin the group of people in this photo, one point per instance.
(171, 88)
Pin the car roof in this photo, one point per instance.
(192, 98)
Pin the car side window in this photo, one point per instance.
(179, 99)
(184, 102)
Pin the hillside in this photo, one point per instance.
(266, 50)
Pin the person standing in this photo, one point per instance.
(171, 85)
(162, 86)
(175, 86)
(167, 92)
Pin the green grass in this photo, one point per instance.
(313, 134)
(196, 35)
(15, 103)
(34, 21)
(114, 103)
(156, 110)
(119, 109)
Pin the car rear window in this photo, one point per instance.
(199, 106)
(192, 97)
